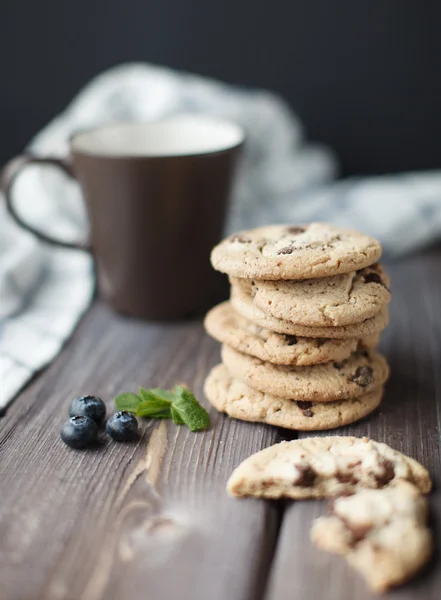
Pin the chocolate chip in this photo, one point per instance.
(304, 404)
(320, 342)
(373, 278)
(286, 250)
(241, 239)
(296, 230)
(291, 340)
(306, 477)
(348, 478)
(305, 407)
(362, 376)
(388, 472)
(338, 365)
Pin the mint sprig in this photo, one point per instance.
(155, 403)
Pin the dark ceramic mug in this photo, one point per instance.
(157, 197)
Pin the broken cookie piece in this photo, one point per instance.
(381, 532)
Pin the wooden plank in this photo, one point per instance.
(145, 520)
(409, 420)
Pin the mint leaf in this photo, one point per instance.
(164, 394)
(155, 395)
(193, 415)
(155, 403)
(184, 392)
(154, 410)
(127, 402)
(177, 419)
(188, 409)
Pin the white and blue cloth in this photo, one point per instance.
(44, 291)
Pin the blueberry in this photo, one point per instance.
(79, 431)
(88, 406)
(122, 426)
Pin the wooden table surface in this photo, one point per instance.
(151, 520)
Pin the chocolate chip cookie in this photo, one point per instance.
(362, 372)
(328, 301)
(295, 252)
(238, 400)
(243, 303)
(229, 327)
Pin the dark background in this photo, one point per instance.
(364, 76)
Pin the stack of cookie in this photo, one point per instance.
(306, 310)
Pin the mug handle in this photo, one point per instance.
(11, 171)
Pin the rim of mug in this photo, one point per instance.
(120, 156)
